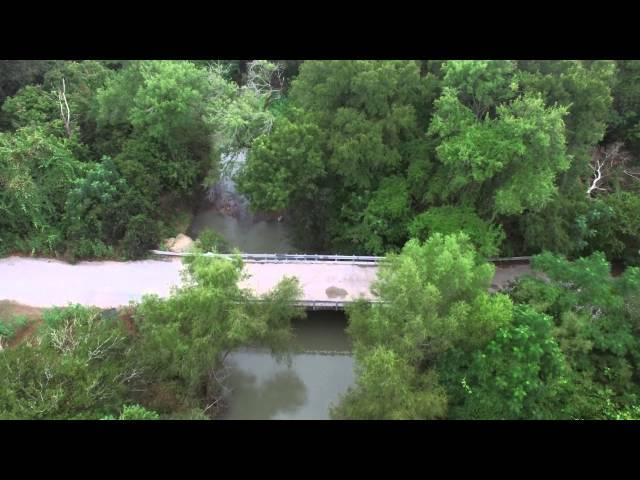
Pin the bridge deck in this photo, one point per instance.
(46, 283)
(320, 282)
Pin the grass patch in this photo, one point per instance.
(17, 321)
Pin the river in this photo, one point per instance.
(320, 370)
(320, 367)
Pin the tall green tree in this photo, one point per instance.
(499, 151)
(434, 298)
(37, 170)
(350, 124)
(596, 325)
(520, 374)
(447, 220)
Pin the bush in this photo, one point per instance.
(447, 220)
(134, 412)
(615, 223)
(80, 368)
(9, 327)
(142, 235)
(211, 241)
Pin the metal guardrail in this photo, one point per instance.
(510, 259)
(285, 258)
(326, 304)
(291, 257)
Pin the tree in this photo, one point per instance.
(560, 226)
(99, 210)
(36, 173)
(380, 225)
(614, 223)
(608, 163)
(185, 339)
(79, 82)
(15, 74)
(499, 151)
(161, 103)
(347, 126)
(448, 220)
(520, 374)
(434, 298)
(584, 88)
(624, 124)
(388, 388)
(135, 412)
(33, 106)
(596, 325)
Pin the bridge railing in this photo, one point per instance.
(318, 258)
(325, 304)
(284, 258)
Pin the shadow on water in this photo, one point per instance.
(321, 369)
(283, 393)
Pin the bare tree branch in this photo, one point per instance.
(262, 76)
(605, 162)
(65, 112)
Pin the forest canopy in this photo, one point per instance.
(438, 165)
(360, 156)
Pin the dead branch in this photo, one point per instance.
(65, 112)
(261, 78)
(605, 161)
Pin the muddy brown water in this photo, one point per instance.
(246, 233)
(319, 372)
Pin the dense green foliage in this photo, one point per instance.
(435, 300)
(437, 164)
(86, 365)
(78, 368)
(94, 154)
(596, 324)
(360, 155)
(211, 241)
(366, 149)
(440, 346)
(134, 412)
(447, 220)
(185, 339)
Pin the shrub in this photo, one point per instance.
(211, 241)
(79, 368)
(134, 412)
(447, 220)
(142, 235)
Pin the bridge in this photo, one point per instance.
(329, 282)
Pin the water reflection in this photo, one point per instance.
(281, 394)
(265, 389)
(304, 388)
